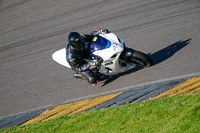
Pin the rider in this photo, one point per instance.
(76, 50)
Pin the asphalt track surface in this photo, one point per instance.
(32, 30)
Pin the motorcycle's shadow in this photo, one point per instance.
(157, 57)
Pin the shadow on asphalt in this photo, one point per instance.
(157, 57)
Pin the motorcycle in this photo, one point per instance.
(110, 53)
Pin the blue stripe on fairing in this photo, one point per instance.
(108, 44)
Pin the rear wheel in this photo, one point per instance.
(140, 59)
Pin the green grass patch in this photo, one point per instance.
(169, 115)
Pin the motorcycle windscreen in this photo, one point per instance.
(99, 43)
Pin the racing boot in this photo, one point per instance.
(91, 77)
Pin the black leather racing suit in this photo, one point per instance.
(76, 61)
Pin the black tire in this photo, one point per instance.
(140, 59)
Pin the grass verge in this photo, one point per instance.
(174, 114)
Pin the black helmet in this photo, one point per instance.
(74, 39)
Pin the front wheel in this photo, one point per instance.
(139, 59)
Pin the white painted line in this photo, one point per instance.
(60, 57)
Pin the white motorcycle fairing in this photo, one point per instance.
(108, 46)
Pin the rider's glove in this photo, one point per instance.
(97, 63)
(86, 67)
(90, 65)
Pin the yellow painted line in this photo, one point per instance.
(197, 90)
(46, 114)
(71, 108)
(94, 103)
(188, 87)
